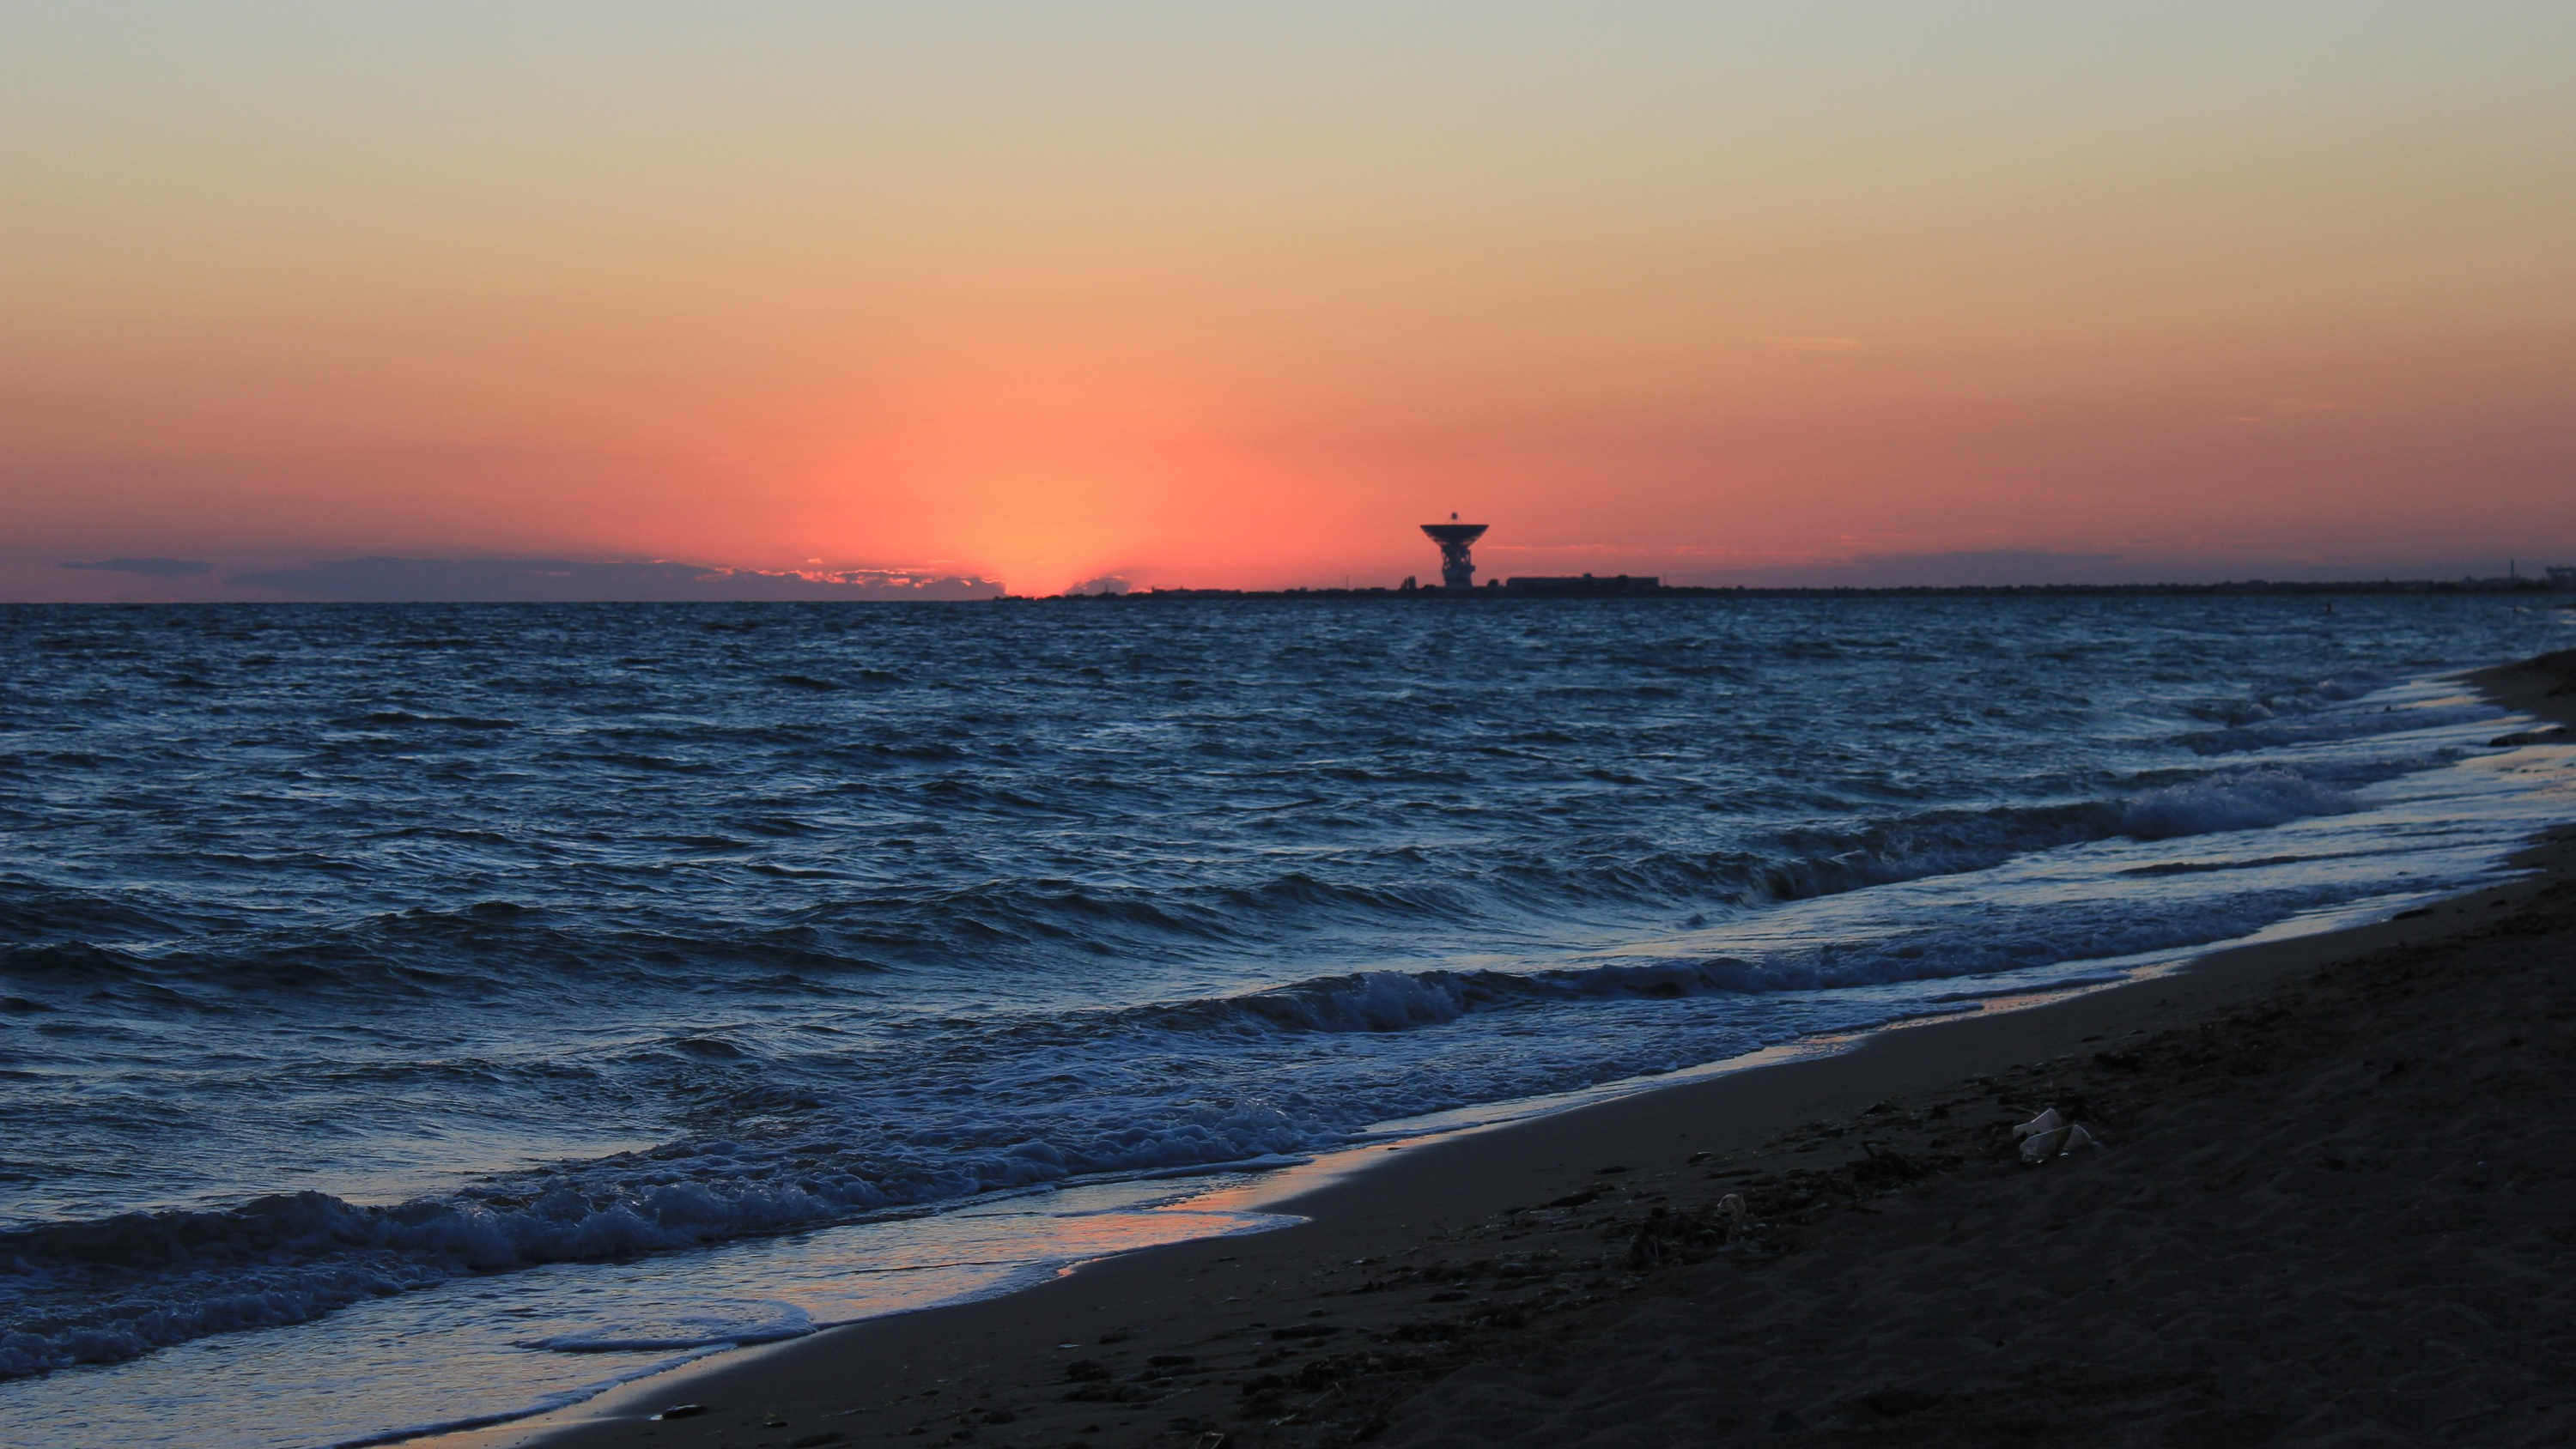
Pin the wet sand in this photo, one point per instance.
(2337, 1206)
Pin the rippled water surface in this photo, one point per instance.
(351, 956)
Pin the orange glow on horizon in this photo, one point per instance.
(1240, 299)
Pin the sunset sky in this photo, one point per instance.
(1236, 294)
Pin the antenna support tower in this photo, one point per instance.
(1457, 568)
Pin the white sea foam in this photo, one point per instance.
(2231, 800)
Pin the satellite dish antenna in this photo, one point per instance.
(1457, 568)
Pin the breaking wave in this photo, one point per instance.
(2236, 800)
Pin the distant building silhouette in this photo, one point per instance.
(1585, 585)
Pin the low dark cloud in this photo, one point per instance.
(546, 581)
(159, 568)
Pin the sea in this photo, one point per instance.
(415, 1017)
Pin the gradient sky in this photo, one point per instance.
(1237, 294)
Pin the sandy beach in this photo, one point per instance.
(2332, 1206)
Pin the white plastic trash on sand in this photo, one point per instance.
(2049, 1135)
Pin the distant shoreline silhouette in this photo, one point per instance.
(1620, 587)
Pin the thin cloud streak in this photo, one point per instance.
(159, 568)
(505, 580)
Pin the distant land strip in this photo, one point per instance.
(1614, 588)
(766, 590)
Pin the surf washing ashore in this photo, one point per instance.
(660, 982)
(2326, 1208)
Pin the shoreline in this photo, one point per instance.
(996, 1369)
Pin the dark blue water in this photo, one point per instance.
(348, 952)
